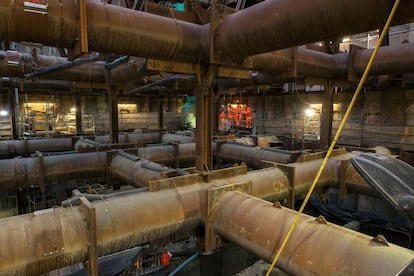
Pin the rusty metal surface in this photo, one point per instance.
(315, 248)
(41, 236)
(390, 60)
(177, 138)
(252, 156)
(283, 24)
(130, 220)
(128, 71)
(23, 172)
(88, 72)
(136, 171)
(126, 31)
(12, 148)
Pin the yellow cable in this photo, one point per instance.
(341, 126)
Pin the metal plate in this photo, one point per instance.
(392, 178)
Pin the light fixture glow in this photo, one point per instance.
(310, 112)
(3, 113)
(73, 109)
(346, 39)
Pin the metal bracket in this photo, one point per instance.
(170, 183)
(90, 218)
(212, 241)
(290, 173)
(224, 173)
(81, 41)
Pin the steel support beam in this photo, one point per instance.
(327, 116)
(315, 248)
(12, 113)
(161, 100)
(78, 114)
(113, 116)
(204, 119)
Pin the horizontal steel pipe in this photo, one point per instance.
(25, 147)
(282, 24)
(57, 237)
(36, 171)
(126, 31)
(315, 248)
(17, 65)
(135, 171)
(395, 59)
(44, 246)
(253, 156)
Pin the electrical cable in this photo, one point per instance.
(340, 128)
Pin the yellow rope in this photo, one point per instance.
(340, 128)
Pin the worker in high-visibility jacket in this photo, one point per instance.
(237, 115)
(230, 115)
(249, 116)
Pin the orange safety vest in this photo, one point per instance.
(165, 258)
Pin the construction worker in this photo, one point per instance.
(230, 114)
(165, 258)
(249, 116)
(237, 115)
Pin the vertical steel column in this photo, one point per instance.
(12, 114)
(113, 116)
(78, 114)
(204, 120)
(161, 112)
(326, 119)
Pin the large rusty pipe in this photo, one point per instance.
(167, 154)
(135, 171)
(309, 63)
(57, 237)
(315, 247)
(25, 147)
(282, 24)
(130, 70)
(125, 31)
(394, 59)
(89, 72)
(253, 156)
(44, 246)
(12, 148)
(36, 171)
